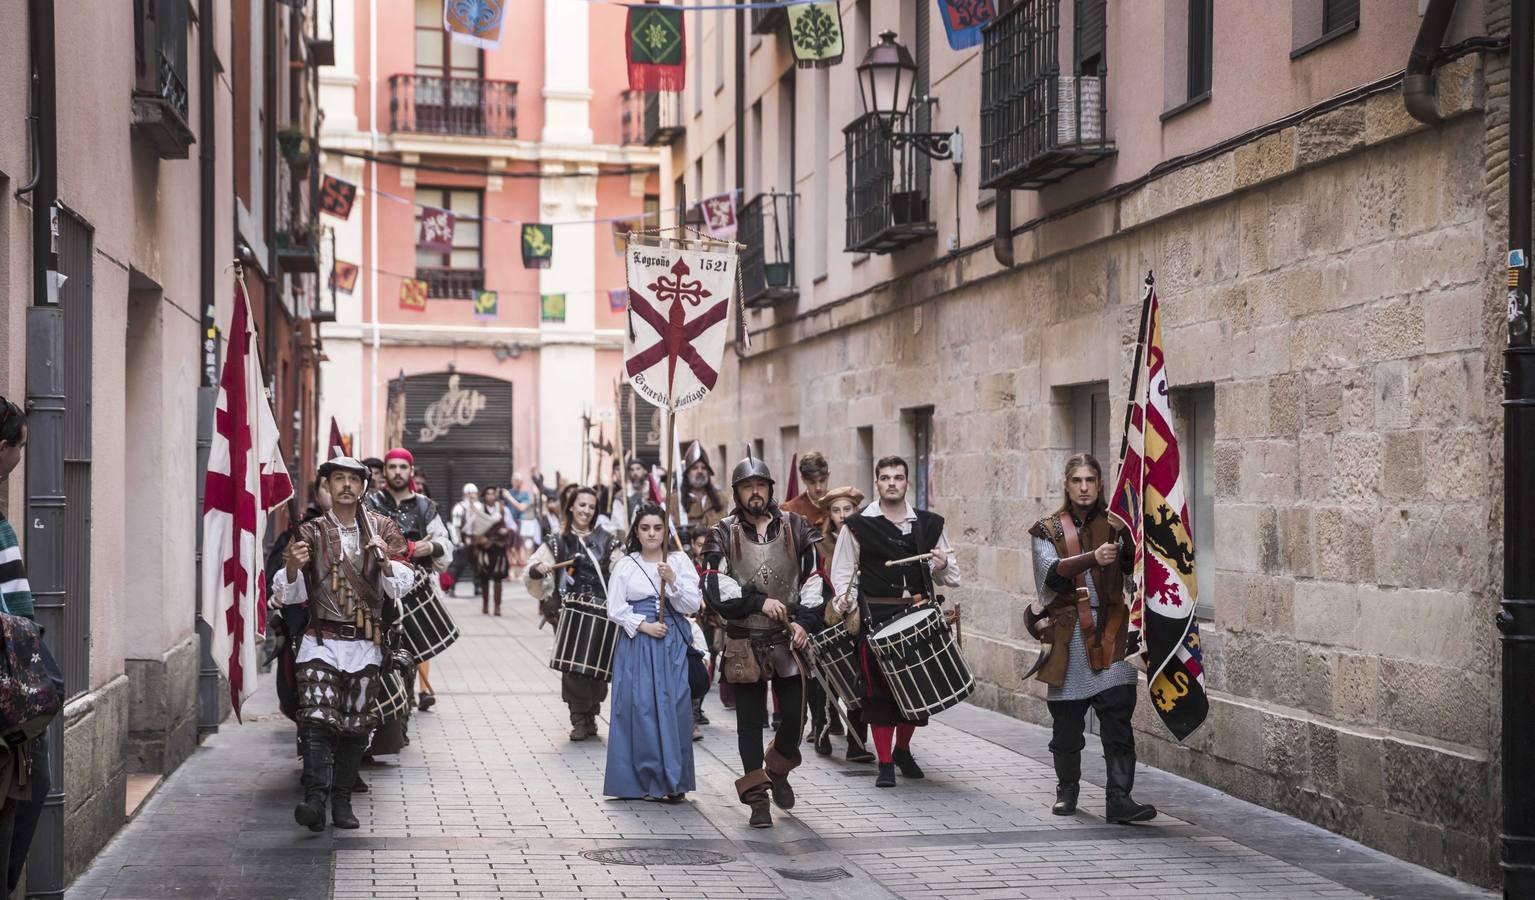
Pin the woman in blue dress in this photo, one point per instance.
(650, 732)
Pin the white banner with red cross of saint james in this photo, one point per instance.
(679, 301)
(246, 478)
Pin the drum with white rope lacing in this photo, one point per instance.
(585, 639)
(921, 663)
(428, 628)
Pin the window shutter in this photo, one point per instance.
(1092, 28)
(1339, 14)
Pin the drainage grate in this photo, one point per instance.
(657, 856)
(831, 874)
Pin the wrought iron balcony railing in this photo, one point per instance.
(766, 228)
(766, 20)
(1037, 125)
(473, 107)
(161, 107)
(452, 284)
(887, 188)
(663, 118)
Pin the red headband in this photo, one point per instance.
(400, 453)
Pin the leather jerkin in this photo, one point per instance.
(1099, 655)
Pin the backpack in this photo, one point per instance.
(31, 684)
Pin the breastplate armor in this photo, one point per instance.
(333, 598)
(772, 568)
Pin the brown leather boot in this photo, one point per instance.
(498, 598)
(778, 767)
(753, 788)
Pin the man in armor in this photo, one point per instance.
(768, 594)
(346, 566)
(582, 554)
(700, 501)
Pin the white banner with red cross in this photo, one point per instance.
(679, 301)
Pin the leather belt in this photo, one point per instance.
(344, 630)
(761, 638)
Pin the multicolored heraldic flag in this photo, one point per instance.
(537, 245)
(413, 293)
(337, 197)
(1149, 498)
(246, 478)
(474, 22)
(657, 40)
(551, 307)
(679, 300)
(436, 231)
(719, 214)
(343, 277)
(815, 34)
(621, 229)
(618, 299)
(487, 305)
(963, 19)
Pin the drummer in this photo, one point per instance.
(841, 504)
(431, 547)
(583, 553)
(885, 531)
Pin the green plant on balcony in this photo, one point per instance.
(298, 248)
(296, 150)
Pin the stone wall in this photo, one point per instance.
(162, 709)
(1337, 283)
(95, 772)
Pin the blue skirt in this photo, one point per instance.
(650, 730)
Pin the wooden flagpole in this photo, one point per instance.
(1135, 369)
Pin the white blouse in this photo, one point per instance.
(635, 579)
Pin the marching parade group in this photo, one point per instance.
(821, 611)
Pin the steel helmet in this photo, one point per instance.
(750, 467)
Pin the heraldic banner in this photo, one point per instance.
(1149, 498)
(679, 300)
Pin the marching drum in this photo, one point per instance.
(585, 639)
(393, 702)
(834, 654)
(921, 663)
(429, 629)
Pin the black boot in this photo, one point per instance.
(319, 767)
(1120, 808)
(823, 742)
(886, 775)
(1068, 778)
(359, 786)
(348, 760)
(902, 758)
(698, 712)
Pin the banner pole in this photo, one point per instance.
(1135, 369)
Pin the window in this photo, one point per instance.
(680, 194)
(865, 462)
(1194, 423)
(1317, 22)
(1188, 36)
(919, 425)
(861, 40)
(448, 77)
(719, 50)
(1338, 15)
(1090, 422)
(822, 157)
(652, 210)
(1200, 47)
(754, 146)
(460, 273)
(786, 128)
(788, 448)
(721, 177)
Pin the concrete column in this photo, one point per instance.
(567, 90)
(567, 360)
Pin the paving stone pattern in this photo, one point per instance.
(492, 800)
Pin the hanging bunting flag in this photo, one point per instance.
(343, 277)
(551, 307)
(337, 197)
(537, 246)
(436, 231)
(474, 22)
(618, 299)
(413, 294)
(719, 214)
(1150, 499)
(679, 298)
(657, 39)
(963, 19)
(815, 33)
(487, 305)
(621, 229)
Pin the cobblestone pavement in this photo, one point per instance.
(492, 800)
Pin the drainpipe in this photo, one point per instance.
(1516, 620)
(1002, 243)
(1418, 83)
(740, 112)
(207, 349)
(45, 504)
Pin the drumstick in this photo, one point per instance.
(919, 557)
(568, 562)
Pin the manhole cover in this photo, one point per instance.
(831, 874)
(657, 856)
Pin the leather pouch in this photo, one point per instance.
(740, 662)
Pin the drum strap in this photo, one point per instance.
(1084, 603)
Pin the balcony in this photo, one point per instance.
(452, 284)
(766, 227)
(1037, 125)
(767, 21)
(887, 193)
(663, 118)
(466, 107)
(298, 251)
(160, 101)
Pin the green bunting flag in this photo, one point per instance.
(537, 245)
(815, 33)
(657, 40)
(551, 307)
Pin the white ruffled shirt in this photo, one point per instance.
(633, 578)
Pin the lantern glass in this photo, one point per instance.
(885, 78)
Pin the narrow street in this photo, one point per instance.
(491, 800)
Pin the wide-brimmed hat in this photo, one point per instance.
(344, 464)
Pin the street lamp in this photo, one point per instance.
(885, 79)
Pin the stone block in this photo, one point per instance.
(1240, 539)
(1253, 248)
(1359, 768)
(1325, 612)
(1284, 243)
(1228, 469)
(1324, 400)
(1331, 134)
(1356, 690)
(1382, 195)
(1295, 554)
(1261, 603)
(1445, 387)
(1330, 209)
(1313, 691)
(1287, 404)
(1386, 117)
(1394, 330)
(1286, 752)
(1264, 159)
(1428, 627)
(1456, 459)
(1402, 468)
(1356, 466)
(1391, 379)
(1269, 471)
(1241, 409)
(1452, 318)
(1433, 785)
(1434, 701)
(1239, 733)
(1328, 340)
